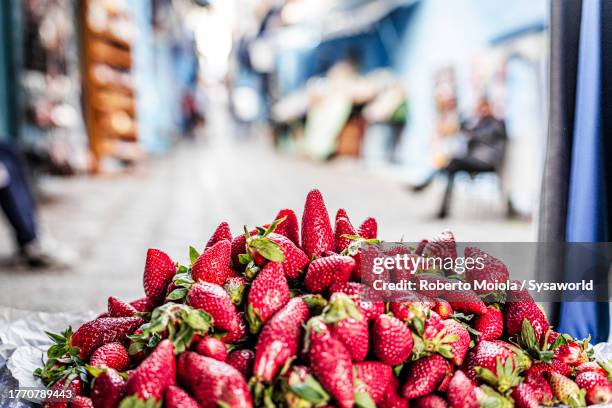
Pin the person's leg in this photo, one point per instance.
(16, 198)
(448, 192)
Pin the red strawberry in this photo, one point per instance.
(239, 333)
(81, 402)
(600, 394)
(289, 227)
(213, 265)
(447, 378)
(215, 301)
(412, 306)
(112, 355)
(392, 340)
(143, 304)
(424, 376)
(485, 268)
(525, 396)
(279, 339)
(98, 332)
(462, 344)
(347, 325)
(368, 229)
(466, 301)
(391, 398)
(119, 308)
(61, 387)
(539, 368)
(317, 234)
(211, 347)
(519, 307)
(331, 363)
(566, 391)
(490, 325)
(541, 388)
(443, 308)
(572, 353)
(430, 401)
(295, 258)
(269, 293)
(373, 378)
(323, 272)
(176, 397)
(158, 272)
(468, 366)
(343, 227)
(222, 232)
(213, 382)
(108, 389)
(242, 360)
(369, 301)
(496, 363)
(461, 392)
(589, 379)
(591, 366)
(239, 247)
(442, 246)
(151, 378)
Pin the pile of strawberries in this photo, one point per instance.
(275, 317)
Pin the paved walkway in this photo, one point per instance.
(176, 201)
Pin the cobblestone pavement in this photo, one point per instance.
(176, 201)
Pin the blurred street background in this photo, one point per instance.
(145, 123)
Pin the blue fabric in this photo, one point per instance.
(587, 218)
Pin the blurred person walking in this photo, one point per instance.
(17, 203)
(486, 148)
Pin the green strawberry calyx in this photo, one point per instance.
(133, 401)
(341, 307)
(62, 361)
(178, 321)
(505, 377)
(356, 242)
(528, 341)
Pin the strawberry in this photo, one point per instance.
(239, 334)
(539, 368)
(485, 268)
(98, 332)
(541, 388)
(289, 227)
(235, 287)
(589, 379)
(323, 272)
(151, 378)
(461, 392)
(74, 387)
(525, 396)
(591, 366)
(242, 360)
(517, 311)
(211, 347)
(424, 376)
(267, 245)
(295, 258)
(497, 363)
(443, 308)
(238, 248)
(213, 383)
(462, 344)
(369, 301)
(158, 272)
(269, 293)
(413, 305)
(373, 378)
(430, 401)
(119, 308)
(215, 301)
(81, 402)
(466, 301)
(391, 398)
(565, 390)
(343, 227)
(112, 355)
(490, 324)
(279, 339)
(331, 363)
(347, 325)
(599, 394)
(391, 339)
(443, 246)
(108, 389)
(176, 397)
(317, 234)
(222, 232)
(369, 228)
(571, 353)
(443, 387)
(143, 304)
(213, 265)
(341, 213)
(468, 366)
